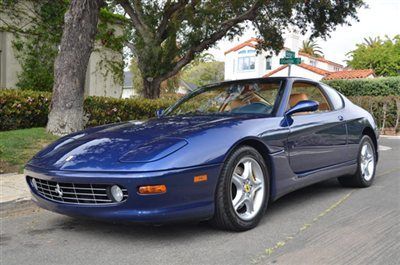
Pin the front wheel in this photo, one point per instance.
(365, 173)
(242, 191)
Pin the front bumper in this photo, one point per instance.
(184, 199)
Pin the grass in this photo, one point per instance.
(18, 146)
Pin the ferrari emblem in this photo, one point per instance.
(58, 190)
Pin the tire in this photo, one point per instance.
(241, 199)
(366, 166)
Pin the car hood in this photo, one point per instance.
(114, 146)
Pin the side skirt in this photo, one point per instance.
(284, 180)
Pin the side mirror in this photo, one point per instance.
(302, 106)
(159, 113)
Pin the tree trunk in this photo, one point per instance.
(80, 27)
(151, 88)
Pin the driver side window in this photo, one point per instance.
(306, 91)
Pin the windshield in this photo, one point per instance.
(251, 97)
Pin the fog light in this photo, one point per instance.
(34, 184)
(117, 193)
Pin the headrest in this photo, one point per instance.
(295, 98)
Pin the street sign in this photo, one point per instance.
(290, 60)
(290, 54)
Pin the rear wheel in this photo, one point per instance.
(366, 166)
(242, 191)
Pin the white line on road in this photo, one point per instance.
(384, 148)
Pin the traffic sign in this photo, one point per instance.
(290, 60)
(289, 54)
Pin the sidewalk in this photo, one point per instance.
(13, 187)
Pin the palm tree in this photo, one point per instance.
(311, 48)
(372, 42)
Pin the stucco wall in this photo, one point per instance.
(9, 66)
(99, 80)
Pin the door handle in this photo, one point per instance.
(340, 117)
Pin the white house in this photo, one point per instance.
(242, 61)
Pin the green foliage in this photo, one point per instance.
(384, 86)
(23, 109)
(102, 110)
(36, 43)
(311, 48)
(36, 52)
(26, 109)
(383, 56)
(204, 73)
(169, 34)
(384, 109)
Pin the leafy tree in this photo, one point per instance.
(167, 35)
(311, 48)
(383, 56)
(204, 73)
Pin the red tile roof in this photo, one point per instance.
(275, 71)
(302, 65)
(321, 59)
(250, 42)
(350, 74)
(314, 69)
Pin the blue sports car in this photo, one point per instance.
(221, 153)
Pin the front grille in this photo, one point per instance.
(75, 193)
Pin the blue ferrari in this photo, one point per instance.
(221, 153)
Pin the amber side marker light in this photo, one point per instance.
(152, 189)
(200, 178)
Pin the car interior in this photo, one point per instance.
(306, 91)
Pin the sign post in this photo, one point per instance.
(289, 59)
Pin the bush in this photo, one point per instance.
(383, 86)
(25, 109)
(386, 110)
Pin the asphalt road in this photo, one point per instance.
(321, 224)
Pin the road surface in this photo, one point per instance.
(321, 224)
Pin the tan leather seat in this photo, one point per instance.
(295, 98)
(323, 106)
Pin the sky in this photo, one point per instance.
(382, 17)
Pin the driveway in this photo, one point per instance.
(321, 224)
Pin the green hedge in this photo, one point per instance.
(383, 86)
(25, 109)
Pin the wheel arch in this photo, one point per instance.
(262, 149)
(370, 132)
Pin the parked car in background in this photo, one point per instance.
(221, 153)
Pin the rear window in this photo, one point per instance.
(335, 98)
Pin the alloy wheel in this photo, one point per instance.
(247, 188)
(367, 161)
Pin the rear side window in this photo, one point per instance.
(335, 98)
